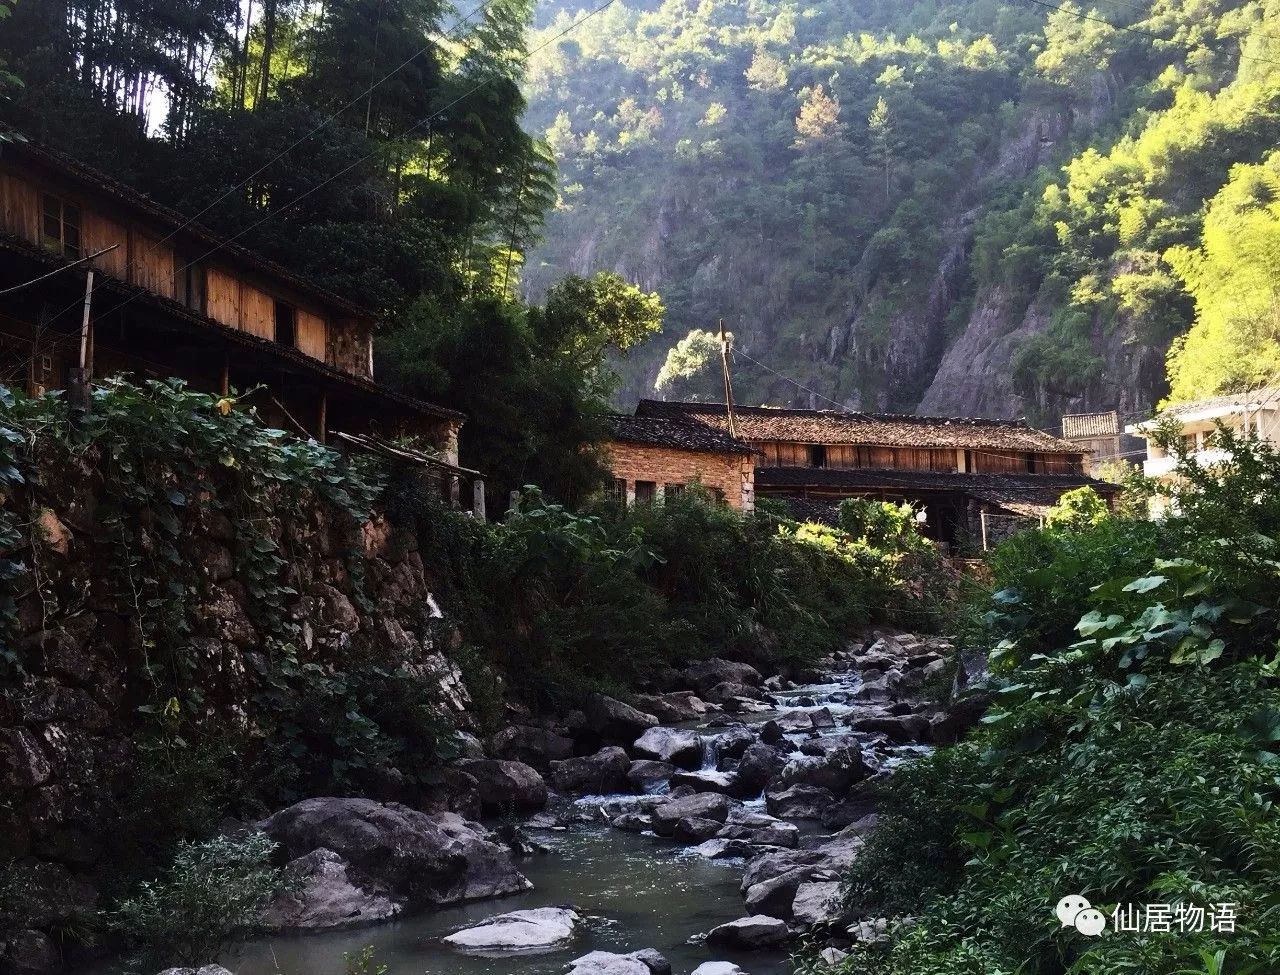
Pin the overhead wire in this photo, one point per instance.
(346, 169)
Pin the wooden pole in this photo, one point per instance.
(477, 498)
(982, 516)
(322, 420)
(85, 319)
(226, 375)
(728, 380)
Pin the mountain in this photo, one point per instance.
(951, 206)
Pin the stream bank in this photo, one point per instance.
(753, 805)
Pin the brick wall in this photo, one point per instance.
(724, 473)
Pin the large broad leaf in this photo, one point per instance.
(1146, 584)
(1094, 622)
(1261, 727)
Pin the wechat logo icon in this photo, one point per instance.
(1075, 911)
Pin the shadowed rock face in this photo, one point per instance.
(322, 894)
(426, 859)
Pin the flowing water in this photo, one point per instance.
(632, 891)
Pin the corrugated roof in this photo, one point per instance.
(765, 423)
(674, 434)
(1252, 399)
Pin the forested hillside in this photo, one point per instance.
(959, 207)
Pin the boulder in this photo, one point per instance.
(537, 747)
(822, 719)
(727, 692)
(320, 893)
(632, 822)
(434, 859)
(722, 849)
(756, 931)
(649, 777)
(706, 805)
(962, 715)
(694, 830)
(760, 764)
(733, 742)
(29, 952)
(837, 771)
(725, 783)
(776, 895)
(795, 722)
(603, 773)
(672, 745)
(644, 962)
(506, 786)
(539, 929)
(899, 729)
(718, 968)
(761, 831)
(708, 673)
(614, 721)
(674, 707)
(771, 732)
(799, 802)
(816, 903)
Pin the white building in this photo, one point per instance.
(1256, 412)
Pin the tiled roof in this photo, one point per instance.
(674, 434)
(765, 423)
(1091, 425)
(1251, 399)
(1023, 493)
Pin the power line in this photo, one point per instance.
(294, 202)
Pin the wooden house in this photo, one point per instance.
(170, 299)
(971, 477)
(655, 457)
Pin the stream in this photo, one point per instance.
(633, 890)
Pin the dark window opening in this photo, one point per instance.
(1031, 463)
(646, 490)
(968, 461)
(286, 324)
(817, 455)
(670, 490)
(60, 225)
(191, 286)
(615, 491)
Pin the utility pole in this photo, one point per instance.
(78, 384)
(728, 380)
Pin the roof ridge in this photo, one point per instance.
(717, 407)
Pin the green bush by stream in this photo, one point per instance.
(1131, 754)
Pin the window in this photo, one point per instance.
(670, 490)
(1189, 442)
(60, 225)
(817, 455)
(286, 324)
(646, 490)
(1031, 463)
(615, 491)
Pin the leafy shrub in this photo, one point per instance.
(211, 896)
(1130, 754)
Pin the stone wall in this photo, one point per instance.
(75, 688)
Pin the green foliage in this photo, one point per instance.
(881, 524)
(1079, 508)
(532, 381)
(209, 898)
(1130, 753)
(687, 372)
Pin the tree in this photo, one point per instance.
(767, 72)
(881, 129)
(687, 372)
(819, 118)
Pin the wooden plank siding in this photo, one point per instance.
(871, 457)
(222, 297)
(153, 265)
(21, 208)
(98, 232)
(312, 335)
(257, 312)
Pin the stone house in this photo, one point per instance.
(654, 457)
